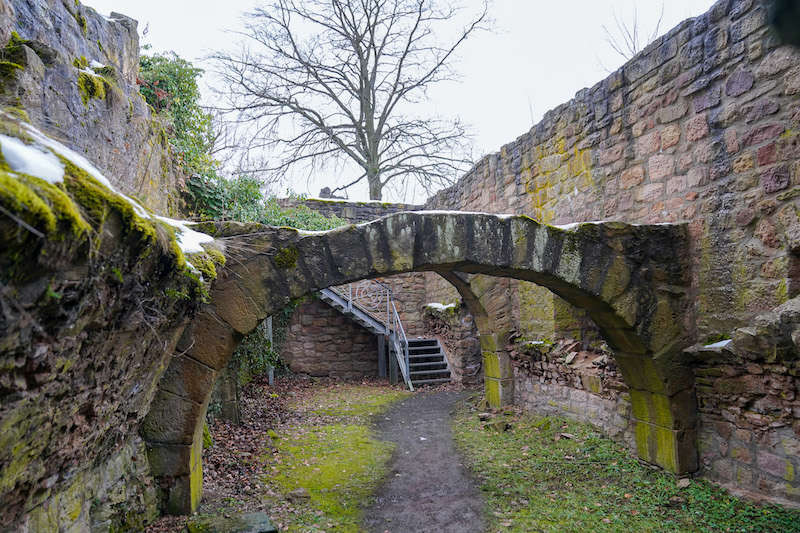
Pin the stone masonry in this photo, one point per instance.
(321, 341)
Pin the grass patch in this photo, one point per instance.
(535, 480)
(351, 401)
(340, 465)
(333, 455)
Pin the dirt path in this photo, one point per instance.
(428, 489)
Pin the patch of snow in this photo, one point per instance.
(66, 153)
(189, 240)
(720, 344)
(96, 64)
(570, 227)
(439, 306)
(84, 164)
(313, 231)
(31, 159)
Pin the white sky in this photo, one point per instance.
(540, 55)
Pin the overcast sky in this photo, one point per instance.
(540, 55)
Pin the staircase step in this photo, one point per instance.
(423, 351)
(422, 342)
(444, 373)
(432, 359)
(429, 381)
(428, 364)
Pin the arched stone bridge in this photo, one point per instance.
(632, 280)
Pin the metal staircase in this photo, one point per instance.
(371, 305)
(428, 363)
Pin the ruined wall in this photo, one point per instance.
(748, 393)
(455, 328)
(75, 77)
(91, 305)
(321, 341)
(93, 299)
(702, 127)
(564, 379)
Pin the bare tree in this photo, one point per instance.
(627, 38)
(323, 82)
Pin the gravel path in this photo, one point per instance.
(428, 489)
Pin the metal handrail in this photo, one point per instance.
(364, 296)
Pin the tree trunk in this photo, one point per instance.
(375, 187)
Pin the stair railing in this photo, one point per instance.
(371, 296)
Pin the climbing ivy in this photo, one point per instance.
(169, 84)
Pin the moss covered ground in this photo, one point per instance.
(551, 474)
(334, 457)
(305, 454)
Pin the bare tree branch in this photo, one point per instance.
(625, 38)
(321, 82)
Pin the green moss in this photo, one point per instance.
(8, 69)
(19, 199)
(90, 86)
(205, 265)
(117, 273)
(208, 440)
(339, 465)
(98, 201)
(711, 339)
(17, 112)
(80, 62)
(176, 294)
(781, 292)
(286, 257)
(13, 53)
(108, 72)
(217, 256)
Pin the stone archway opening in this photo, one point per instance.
(631, 280)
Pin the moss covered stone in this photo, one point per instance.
(287, 257)
(90, 87)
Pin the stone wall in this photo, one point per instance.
(93, 300)
(748, 392)
(321, 341)
(564, 379)
(119, 495)
(114, 128)
(702, 126)
(353, 212)
(456, 331)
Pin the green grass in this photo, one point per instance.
(533, 482)
(352, 401)
(334, 455)
(340, 465)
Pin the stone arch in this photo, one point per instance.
(632, 280)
